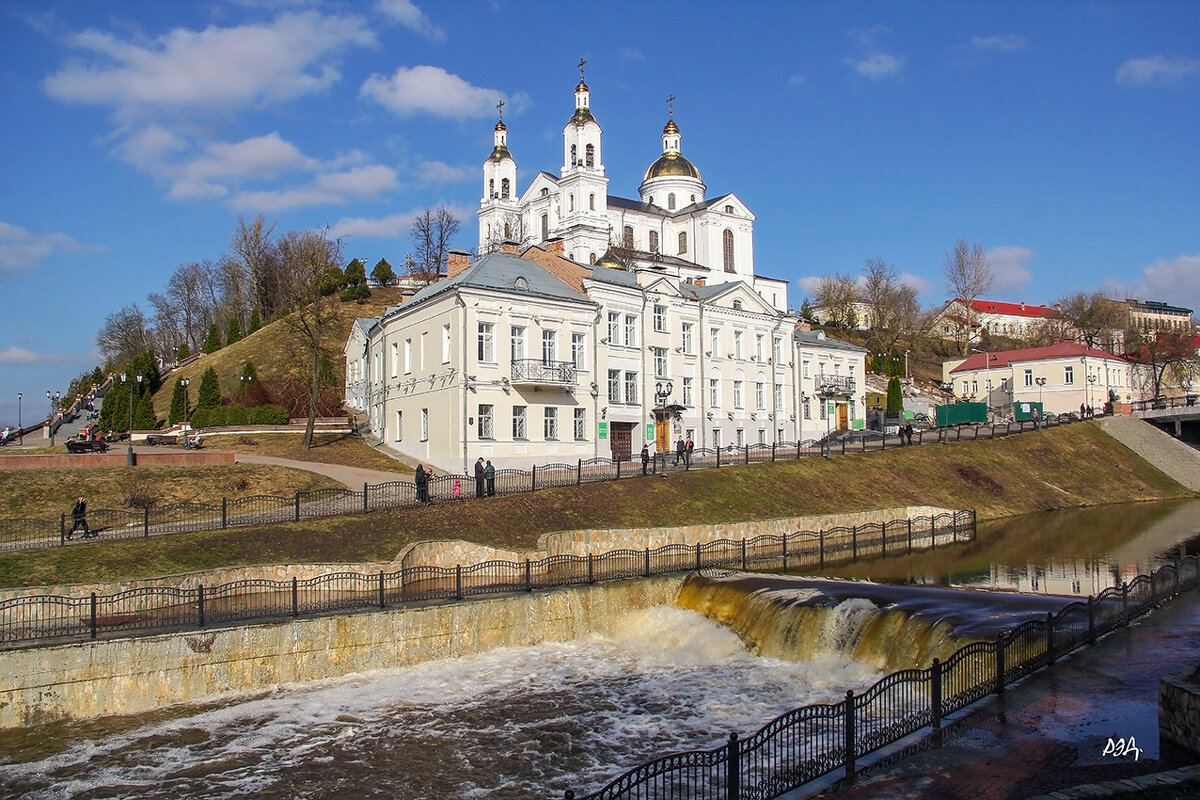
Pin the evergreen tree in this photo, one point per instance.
(114, 412)
(176, 414)
(143, 412)
(895, 400)
(209, 395)
(249, 375)
(212, 343)
(97, 376)
(146, 365)
(233, 332)
(383, 273)
(255, 321)
(182, 351)
(356, 273)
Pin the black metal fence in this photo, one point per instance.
(30, 534)
(45, 619)
(815, 740)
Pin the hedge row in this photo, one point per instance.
(239, 415)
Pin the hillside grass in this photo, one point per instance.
(1067, 467)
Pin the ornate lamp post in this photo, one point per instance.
(1091, 381)
(53, 400)
(185, 383)
(20, 429)
(825, 393)
(662, 393)
(1040, 383)
(126, 379)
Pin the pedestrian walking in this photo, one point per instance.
(489, 474)
(645, 457)
(79, 518)
(422, 482)
(480, 470)
(679, 450)
(688, 447)
(1037, 420)
(908, 433)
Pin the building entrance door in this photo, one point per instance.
(622, 440)
(843, 414)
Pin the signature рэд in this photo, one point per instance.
(1122, 747)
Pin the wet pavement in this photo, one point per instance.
(1085, 727)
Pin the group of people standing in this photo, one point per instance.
(906, 434)
(683, 452)
(485, 481)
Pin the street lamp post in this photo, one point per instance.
(125, 379)
(825, 394)
(1040, 383)
(987, 378)
(906, 365)
(662, 393)
(185, 383)
(1091, 381)
(20, 429)
(53, 400)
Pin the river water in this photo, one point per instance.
(531, 722)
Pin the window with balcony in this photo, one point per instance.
(517, 343)
(579, 350)
(549, 346)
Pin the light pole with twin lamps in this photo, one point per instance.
(185, 382)
(20, 430)
(125, 379)
(53, 400)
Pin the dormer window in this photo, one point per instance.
(521, 283)
(728, 209)
(737, 305)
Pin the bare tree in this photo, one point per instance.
(893, 306)
(834, 298)
(431, 233)
(307, 257)
(968, 275)
(124, 335)
(260, 257)
(1094, 319)
(1168, 359)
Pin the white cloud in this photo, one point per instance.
(922, 286)
(437, 172)
(1176, 281)
(1005, 43)
(797, 80)
(1157, 71)
(150, 146)
(218, 68)
(408, 15)
(21, 249)
(394, 226)
(1009, 273)
(432, 90)
(360, 182)
(16, 357)
(632, 54)
(871, 61)
(283, 199)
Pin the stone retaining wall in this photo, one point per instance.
(138, 674)
(116, 457)
(1179, 711)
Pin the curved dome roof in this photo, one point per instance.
(610, 260)
(581, 117)
(672, 164)
(499, 153)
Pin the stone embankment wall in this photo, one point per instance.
(134, 675)
(1179, 711)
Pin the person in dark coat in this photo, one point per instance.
(688, 447)
(645, 457)
(908, 433)
(79, 517)
(480, 477)
(489, 473)
(422, 481)
(679, 445)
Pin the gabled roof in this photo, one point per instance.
(819, 339)
(1005, 358)
(506, 273)
(563, 268)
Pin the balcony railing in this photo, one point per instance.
(535, 372)
(835, 384)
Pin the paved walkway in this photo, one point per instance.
(1047, 736)
(351, 477)
(1164, 451)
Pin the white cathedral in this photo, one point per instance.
(591, 324)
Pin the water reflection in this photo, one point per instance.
(1077, 552)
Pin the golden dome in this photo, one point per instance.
(581, 117)
(672, 163)
(582, 87)
(610, 261)
(670, 127)
(499, 153)
(500, 126)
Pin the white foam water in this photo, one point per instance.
(511, 723)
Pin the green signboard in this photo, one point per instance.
(649, 431)
(602, 430)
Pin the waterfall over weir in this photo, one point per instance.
(889, 627)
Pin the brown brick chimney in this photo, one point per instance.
(457, 261)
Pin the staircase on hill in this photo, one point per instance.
(1173, 457)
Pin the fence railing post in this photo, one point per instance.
(733, 770)
(199, 605)
(224, 513)
(932, 532)
(854, 542)
(785, 552)
(647, 562)
(850, 765)
(910, 534)
(935, 694)
(295, 597)
(1091, 620)
(458, 594)
(999, 663)
(743, 554)
(146, 522)
(618, 469)
(1050, 637)
(297, 506)
(883, 540)
(92, 623)
(821, 547)
(591, 568)
(579, 473)
(747, 461)
(533, 480)
(697, 555)
(364, 497)
(528, 576)
(772, 451)
(1124, 604)
(718, 456)
(381, 602)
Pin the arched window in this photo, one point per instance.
(507, 232)
(590, 155)
(727, 246)
(574, 156)
(545, 227)
(671, 201)
(570, 202)
(591, 258)
(653, 241)
(545, 191)
(491, 188)
(682, 242)
(693, 198)
(591, 202)
(504, 188)
(628, 237)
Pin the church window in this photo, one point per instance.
(590, 155)
(628, 243)
(574, 156)
(545, 192)
(727, 246)
(671, 201)
(570, 202)
(653, 241)
(591, 258)
(728, 209)
(682, 242)
(591, 202)
(545, 227)
(507, 232)
(491, 188)
(693, 198)
(504, 188)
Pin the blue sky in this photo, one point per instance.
(1060, 136)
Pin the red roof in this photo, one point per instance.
(1003, 358)
(1011, 309)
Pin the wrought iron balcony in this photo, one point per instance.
(834, 384)
(535, 372)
